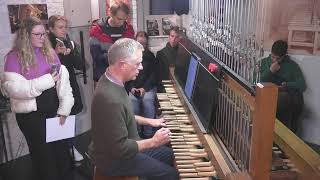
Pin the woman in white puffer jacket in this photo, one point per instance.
(38, 91)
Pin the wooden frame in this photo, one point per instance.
(314, 45)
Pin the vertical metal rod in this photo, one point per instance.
(242, 133)
(212, 25)
(248, 137)
(215, 29)
(221, 110)
(218, 114)
(225, 107)
(228, 117)
(226, 28)
(238, 125)
(84, 71)
(232, 122)
(232, 12)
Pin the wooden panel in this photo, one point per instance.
(302, 156)
(217, 155)
(262, 131)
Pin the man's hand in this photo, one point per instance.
(62, 49)
(142, 91)
(67, 52)
(62, 119)
(161, 137)
(158, 122)
(275, 67)
(133, 90)
(283, 86)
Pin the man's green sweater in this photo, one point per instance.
(289, 72)
(114, 129)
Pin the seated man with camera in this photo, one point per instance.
(281, 70)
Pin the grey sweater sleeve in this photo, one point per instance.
(109, 128)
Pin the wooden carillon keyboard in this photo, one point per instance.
(191, 158)
(224, 126)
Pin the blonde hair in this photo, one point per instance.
(54, 18)
(24, 48)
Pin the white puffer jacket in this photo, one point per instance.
(23, 92)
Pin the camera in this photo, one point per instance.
(60, 42)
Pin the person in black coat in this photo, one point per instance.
(69, 55)
(143, 89)
(166, 57)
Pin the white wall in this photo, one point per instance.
(95, 9)
(79, 12)
(310, 127)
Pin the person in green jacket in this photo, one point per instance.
(281, 70)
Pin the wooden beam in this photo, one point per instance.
(262, 131)
(302, 156)
(217, 155)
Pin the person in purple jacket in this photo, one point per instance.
(39, 88)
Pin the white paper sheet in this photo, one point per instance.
(55, 131)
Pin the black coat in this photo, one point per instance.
(146, 78)
(165, 58)
(72, 61)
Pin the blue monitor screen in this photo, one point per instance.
(192, 71)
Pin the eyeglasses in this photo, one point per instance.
(136, 65)
(40, 35)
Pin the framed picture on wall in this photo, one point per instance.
(153, 27)
(160, 25)
(18, 12)
(167, 24)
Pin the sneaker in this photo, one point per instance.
(77, 155)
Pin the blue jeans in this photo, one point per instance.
(155, 164)
(144, 106)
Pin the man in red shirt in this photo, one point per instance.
(105, 32)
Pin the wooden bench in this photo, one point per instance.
(99, 176)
